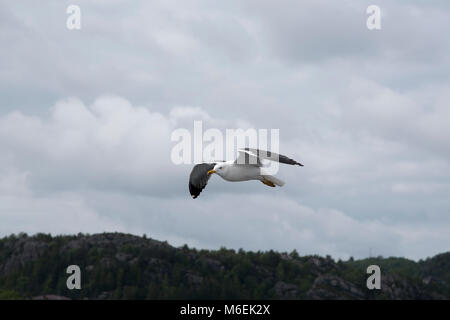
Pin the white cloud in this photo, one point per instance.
(417, 118)
(101, 144)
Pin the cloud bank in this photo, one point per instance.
(106, 167)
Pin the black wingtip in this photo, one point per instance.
(195, 193)
(300, 164)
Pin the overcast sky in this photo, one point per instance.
(86, 118)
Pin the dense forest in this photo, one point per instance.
(122, 266)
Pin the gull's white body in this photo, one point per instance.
(237, 172)
(231, 171)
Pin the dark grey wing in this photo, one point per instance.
(199, 178)
(273, 156)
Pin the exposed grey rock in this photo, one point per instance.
(214, 264)
(90, 268)
(286, 290)
(333, 287)
(427, 280)
(194, 278)
(286, 256)
(50, 297)
(107, 262)
(105, 295)
(24, 250)
(396, 287)
(264, 271)
(122, 256)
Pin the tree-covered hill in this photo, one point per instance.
(122, 266)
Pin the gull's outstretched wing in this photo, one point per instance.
(248, 157)
(254, 156)
(199, 178)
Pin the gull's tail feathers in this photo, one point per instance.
(274, 180)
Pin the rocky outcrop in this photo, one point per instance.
(22, 251)
(286, 290)
(50, 297)
(332, 287)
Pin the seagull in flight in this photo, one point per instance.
(247, 166)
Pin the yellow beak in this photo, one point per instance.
(211, 171)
